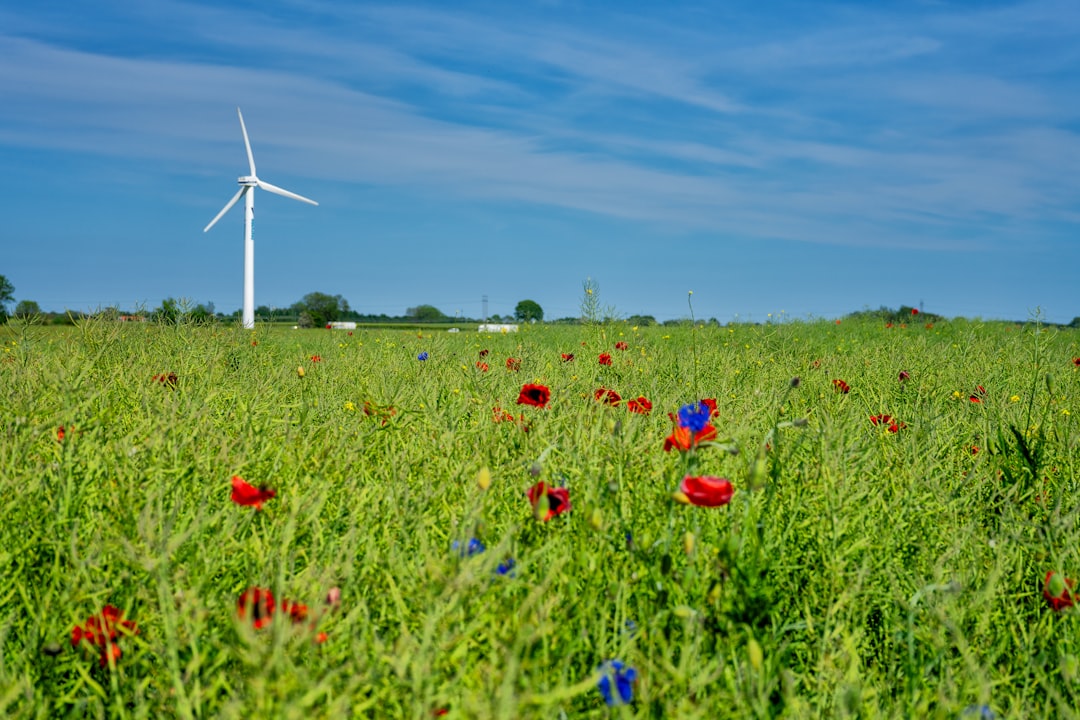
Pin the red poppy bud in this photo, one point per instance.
(1057, 590)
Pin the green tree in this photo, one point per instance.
(425, 313)
(528, 310)
(273, 314)
(7, 294)
(642, 320)
(202, 313)
(316, 309)
(169, 312)
(26, 309)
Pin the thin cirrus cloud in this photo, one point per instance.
(852, 130)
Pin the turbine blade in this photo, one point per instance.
(247, 143)
(225, 209)
(280, 191)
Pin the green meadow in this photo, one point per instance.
(896, 568)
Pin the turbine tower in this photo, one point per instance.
(248, 183)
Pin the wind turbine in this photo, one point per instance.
(248, 183)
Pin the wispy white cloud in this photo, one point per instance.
(847, 48)
(915, 150)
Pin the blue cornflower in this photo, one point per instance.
(422, 356)
(506, 567)
(624, 677)
(694, 417)
(984, 712)
(473, 547)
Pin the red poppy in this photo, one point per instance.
(259, 603)
(316, 358)
(167, 379)
(244, 493)
(841, 387)
(888, 422)
(914, 311)
(682, 439)
(483, 366)
(707, 490)
(929, 326)
(978, 395)
(60, 434)
(254, 343)
(640, 405)
(535, 395)
(904, 375)
(1057, 589)
(974, 449)
(556, 499)
(102, 631)
(621, 345)
(607, 396)
(888, 325)
(483, 353)
(1076, 362)
(513, 364)
(297, 612)
(568, 357)
(605, 359)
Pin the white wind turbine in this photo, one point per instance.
(248, 183)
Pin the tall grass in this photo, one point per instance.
(871, 574)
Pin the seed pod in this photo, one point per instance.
(753, 652)
(688, 543)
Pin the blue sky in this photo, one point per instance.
(809, 158)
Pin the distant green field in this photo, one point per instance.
(885, 552)
(463, 327)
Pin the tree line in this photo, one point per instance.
(316, 309)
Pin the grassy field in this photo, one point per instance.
(895, 568)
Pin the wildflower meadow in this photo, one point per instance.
(804, 519)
